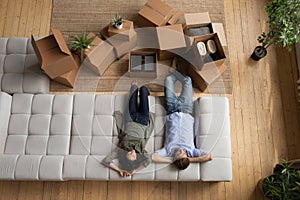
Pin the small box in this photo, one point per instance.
(126, 33)
(177, 18)
(171, 41)
(100, 58)
(142, 64)
(198, 24)
(205, 62)
(121, 47)
(70, 77)
(53, 54)
(154, 13)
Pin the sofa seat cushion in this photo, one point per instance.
(19, 68)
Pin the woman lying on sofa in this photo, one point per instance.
(133, 135)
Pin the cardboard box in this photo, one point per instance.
(170, 41)
(121, 47)
(202, 79)
(177, 18)
(194, 22)
(154, 13)
(53, 54)
(142, 64)
(100, 58)
(126, 33)
(204, 62)
(70, 77)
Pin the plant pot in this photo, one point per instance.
(258, 53)
(119, 26)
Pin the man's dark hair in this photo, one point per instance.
(181, 163)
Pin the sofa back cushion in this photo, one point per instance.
(19, 68)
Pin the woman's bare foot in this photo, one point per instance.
(133, 83)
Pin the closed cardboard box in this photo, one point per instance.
(126, 33)
(171, 41)
(154, 13)
(121, 47)
(100, 58)
(53, 54)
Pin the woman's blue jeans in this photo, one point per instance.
(138, 112)
(182, 103)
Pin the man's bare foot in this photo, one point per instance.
(133, 83)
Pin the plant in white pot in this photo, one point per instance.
(117, 21)
(284, 26)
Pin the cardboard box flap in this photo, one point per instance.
(219, 29)
(160, 7)
(61, 41)
(170, 37)
(36, 49)
(177, 18)
(192, 19)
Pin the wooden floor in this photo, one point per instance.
(265, 125)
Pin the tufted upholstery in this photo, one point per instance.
(65, 137)
(19, 68)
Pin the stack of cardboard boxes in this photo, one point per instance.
(177, 30)
(176, 34)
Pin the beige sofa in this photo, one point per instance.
(65, 137)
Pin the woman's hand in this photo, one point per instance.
(124, 173)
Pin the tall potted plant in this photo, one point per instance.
(284, 26)
(81, 43)
(284, 183)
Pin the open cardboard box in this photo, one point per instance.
(142, 64)
(171, 41)
(154, 13)
(205, 62)
(200, 20)
(203, 71)
(70, 77)
(53, 54)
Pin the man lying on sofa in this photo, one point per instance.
(179, 146)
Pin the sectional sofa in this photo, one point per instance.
(65, 136)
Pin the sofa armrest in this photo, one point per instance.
(5, 110)
(212, 132)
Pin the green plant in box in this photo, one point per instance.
(284, 26)
(82, 43)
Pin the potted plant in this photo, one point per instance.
(284, 26)
(117, 21)
(284, 183)
(81, 44)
